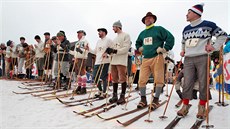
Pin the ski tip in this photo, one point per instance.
(14, 92)
(119, 122)
(99, 116)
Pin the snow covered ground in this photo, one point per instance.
(28, 112)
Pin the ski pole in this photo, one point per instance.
(222, 76)
(167, 78)
(100, 71)
(75, 88)
(71, 74)
(150, 105)
(44, 68)
(47, 67)
(219, 77)
(107, 88)
(58, 83)
(130, 89)
(170, 94)
(207, 126)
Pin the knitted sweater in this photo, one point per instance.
(198, 34)
(80, 43)
(101, 46)
(62, 51)
(122, 44)
(152, 38)
(8, 52)
(39, 50)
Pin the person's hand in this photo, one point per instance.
(35, 46)
(161, 50)
(79, 50)
(209, 48)
(182, 53)
(58, 42)
(140, 49)
(87, 47)
(104, 55)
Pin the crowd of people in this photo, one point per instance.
(61, 62)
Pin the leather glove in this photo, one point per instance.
(161, 50)
(79, 50)
(110, 50)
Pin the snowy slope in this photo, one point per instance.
(28, 112)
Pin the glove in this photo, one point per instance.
(110, 50)
(79, 50)
(161, 50)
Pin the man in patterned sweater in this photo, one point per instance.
(152, 42)
(80, 52)
(196, 44)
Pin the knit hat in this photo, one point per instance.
(117, 24)
(81, 31)
(198, 9)
(60, 34)
(149, 14)
(103, 30)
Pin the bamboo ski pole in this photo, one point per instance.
(107, 88)
(96, 78)
(46, 60)
(75, 88)
(130, 90)
(150, 105)
(47, 67)
(58, 83)
(170, 94)
(71, 74)
(222, 76)
(167, 78)
(207, 126)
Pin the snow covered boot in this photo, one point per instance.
(179, 94)
(183, 111)
(154, 103)
(114, 98)
(201, 112)
(121, 100)
(142, 103)
(194, 94)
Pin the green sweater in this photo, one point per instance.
(152, 38)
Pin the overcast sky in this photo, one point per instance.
(34, 17)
